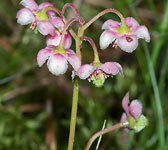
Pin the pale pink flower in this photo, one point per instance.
(56, 38)
(99, 72)
(134, 109)
(58, 59)
(126, 37)
(36, 16)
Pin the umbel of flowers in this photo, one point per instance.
(51, 23)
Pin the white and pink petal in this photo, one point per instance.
(57, 22)
(110, 25)
(67, 41)
(74, 60)
(31, 4)
(45, 28)
(54, 40)
(25, 16)
(125, 102)
(85, 71)
(44, 5)
(111, 68)
(106, 38)
(135, 109)
(127, 43)
(142, 33)
(57, 64)
(131, 22)
(43, 55)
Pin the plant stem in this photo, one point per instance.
(102, 13)
(73, 114)
(96, 55)
(79, 41)
(65, 29)
(76, 11)
(102, 132)
(75, 93)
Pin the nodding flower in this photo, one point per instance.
(133, 114)
(37, 16)
(123, 35)
(97, 72)
(58, 59)
(56, 38)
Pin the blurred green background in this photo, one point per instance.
(35, 106)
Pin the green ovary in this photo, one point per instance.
(99, 80)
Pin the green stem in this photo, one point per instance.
(75, 93)
(79, 41)
(73, 114)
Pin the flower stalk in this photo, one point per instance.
(66, 28)
(76, 11)
(102, 132)
(73, 114)
(96, 55)
(103, 13)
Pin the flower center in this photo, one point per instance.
(123, 29)
(59, 50)
(41, 15)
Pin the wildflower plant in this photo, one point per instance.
(51, 22)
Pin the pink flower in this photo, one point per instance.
(36, 16)
(97, 73)
(125, 36)
(56, 38)
(134, 109)
(133, 117)
(58, 59)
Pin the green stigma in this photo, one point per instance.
(99, 80)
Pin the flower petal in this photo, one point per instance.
(25, 16)
(85, 71)
(58, 23)
(45, 28)
(44, 5)
(131, 22)
(106, 38)
(127, 43)
(110, 25)
(54, 40)
(135, 109)
(124, 118)
(67, 41)
(57, 64)
(142, 33)
(43, 55)
(31, 4)
(74, 60)
(112, 68)
(125, 102)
